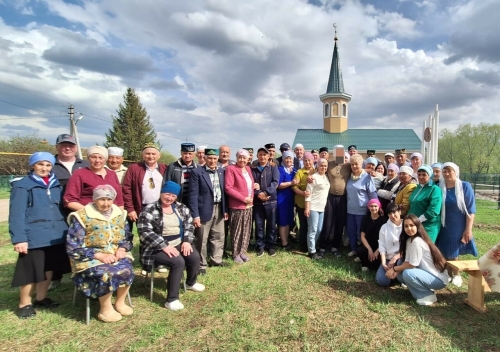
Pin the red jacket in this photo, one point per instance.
(236, 187)
(132, 186)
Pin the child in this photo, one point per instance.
(368, 254)
(388, 243)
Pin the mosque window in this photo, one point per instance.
(327, 110)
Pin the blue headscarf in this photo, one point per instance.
(41, 156)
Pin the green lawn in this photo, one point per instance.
(4, 193)
(285, 303)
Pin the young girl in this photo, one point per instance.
(424, 268)
(368, 254)
(388, 243)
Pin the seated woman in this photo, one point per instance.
(368, 253)
(424, 267)
(388, 243)
(37, 230)
(166, 233)
(99, 245)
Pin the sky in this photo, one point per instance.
(244, 73)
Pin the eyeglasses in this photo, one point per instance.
(151, 183)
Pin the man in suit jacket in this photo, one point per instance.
(208, 209)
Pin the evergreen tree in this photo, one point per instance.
(131, 128)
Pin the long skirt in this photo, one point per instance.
(102, 279)
(240, 224)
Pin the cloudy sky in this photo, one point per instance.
(245, 73)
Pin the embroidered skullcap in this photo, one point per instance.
(41, 156)
(187, 147)
(97, 149)
(115, 151)
(151, 145)
(171, 187)
(103, 191)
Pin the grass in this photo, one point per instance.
(285, 303)
(4, 193)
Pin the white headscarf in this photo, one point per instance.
(459, 191)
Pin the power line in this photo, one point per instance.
(25, 107)
(29, 92)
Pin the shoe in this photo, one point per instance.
(110, 318)
(202, 272)
(457, 280)
(357, 260)
(26, 312)
(54, 284)
(45, 303)
(335, 252)
(351, 254)
(286, 247)
(161, 269)
(427, 301)
(315, 256)
(272, 252)
(260, 253)
(244, 257)
(175, 305)
(197, 287)
(238, 260)
(292, 233)
(221, 264)
(364, 268)
(144, 273)
(403, 286)
(124, 310)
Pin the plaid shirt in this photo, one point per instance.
(150, 228)
(214, 177)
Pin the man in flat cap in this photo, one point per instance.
(352, 149)
(225, 156)
(401, 158)
(180, 170)
(115, 162)
(200, 154)
(207, 203)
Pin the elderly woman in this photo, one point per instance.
(370, 166)
(416, 161)
(166, 233)
(436, 169)
(425, 202)
(300, 194)
(406, 187)
(82, 182)
(285, 214)
(457, 216)
(239, 189)
(315, 204)
(389, 186)
(37, 230)
(99, 244)
(359, 189)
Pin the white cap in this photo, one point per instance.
(115, 151)
(202, 148)
(389, 154)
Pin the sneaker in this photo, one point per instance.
(457, 280)
(427, 301)
(315, 256)
(351, 254)
(272, 252)
(144, 272)
(238, 259)
(244, 257)
(197, 287)
(161, 269)
(45, 303)
(25, 312)
(260, 253)
(357, 260)
(175, 305)
(364, 268)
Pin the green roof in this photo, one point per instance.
(364, 139)
(335, 81)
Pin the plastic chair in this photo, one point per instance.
(151, 283)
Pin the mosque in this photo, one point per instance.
(335, 123)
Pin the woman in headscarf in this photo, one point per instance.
(457, 216)
(416, 161)
(436, 169)
(38, 232)
(81, 184)
(405, 189)
(300, 194)
(99, 243)
(285, 214)
(166, 233)
(389, 186)
(239, 187)
(370, 166)
(425, 202)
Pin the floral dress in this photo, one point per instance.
(490, 267)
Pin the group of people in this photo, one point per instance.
(402, 218)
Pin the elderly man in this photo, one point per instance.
(142, 183)
(352, 149)
(299, 154)
(389, 159)
(250, 158)
(271, 148)
(267, 176)
(315, 154)
(225, 157)
(401, 158)
(180, 171)
(279, 161)
(323, 153)
(207, 203)
(200, 154)
(115, 162)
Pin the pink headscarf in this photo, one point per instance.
(374, 201)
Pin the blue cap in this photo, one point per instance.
(41, 156)
(171, 187)
(187, 147)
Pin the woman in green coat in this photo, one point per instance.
(425, 202)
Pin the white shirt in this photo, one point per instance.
(151, 195)
(419, 255)
(68, 165)
(319, 189)
(388, 240)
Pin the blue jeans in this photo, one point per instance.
(265, 225)
(314, 226)
(420, 282)
(380, 277)
(353, 228)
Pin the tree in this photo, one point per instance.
(18, 164)
(167, 158)
(132, 128)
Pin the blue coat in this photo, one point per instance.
(35, 216)
(201, 193)
(268, 180)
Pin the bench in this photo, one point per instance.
(477, 285)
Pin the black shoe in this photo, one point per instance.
(315, 256)
(260, 253)
(221, 264)
(287, 247)
(202, 271)
(272, 252)
(45, 303)
(25, 312)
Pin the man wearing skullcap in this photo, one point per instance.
(180, 170)
(299, 154)
(389, 159)
(271, 148)
(401, 158)
(323, 153)
(200, 154)
(115, 162)
(352, 149)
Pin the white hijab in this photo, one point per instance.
(459, 191)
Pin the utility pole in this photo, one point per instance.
(73, 130)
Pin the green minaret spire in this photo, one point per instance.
(335, 82)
